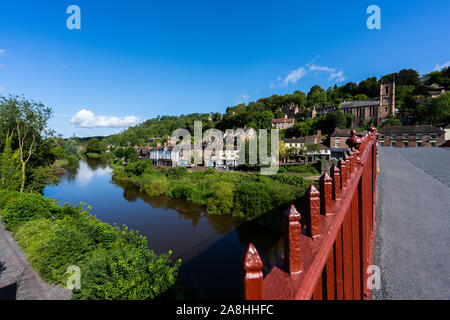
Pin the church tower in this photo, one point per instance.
(387, 100)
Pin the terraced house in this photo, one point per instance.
(416, 136)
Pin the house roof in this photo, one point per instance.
(282, 120)
(357, 104)
(409, 129)
(323, 147)
(344, 133)
(300, 140)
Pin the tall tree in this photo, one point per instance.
(28, 120)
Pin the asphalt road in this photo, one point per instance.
(413, 223)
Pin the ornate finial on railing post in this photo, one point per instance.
(313, 225)
(336, 183)
(354, 141)
(372, 129)
(292, 238)
(357, 158)
(343, 167)
(352, 161)
(326, 190)
(348, 166)
(253, 275)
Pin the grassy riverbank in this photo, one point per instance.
(243, 195)
(115, 263)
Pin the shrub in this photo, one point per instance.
(7, 195)
(156, 186)
(71, 243)
(221, 202)
(93, 155)
(33, 236)
(26, 207)
(126, 273)
(177, 172)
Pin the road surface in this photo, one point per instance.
(413, 223)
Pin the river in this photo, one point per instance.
(211, 247)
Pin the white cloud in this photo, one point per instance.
(439, 67)
(3, 53)
(337, 76)
(314, 67)
(87, 119)
(1, 89)
(293, 76)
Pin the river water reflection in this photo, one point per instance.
(211, 247)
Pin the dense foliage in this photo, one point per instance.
(115, 263)
(242, 195)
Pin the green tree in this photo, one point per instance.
(317, 96)
(28, 120)
(94, 146)
(10, 178)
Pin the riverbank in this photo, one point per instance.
(54, 238)
(239, 194)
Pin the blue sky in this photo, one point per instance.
(138, 59)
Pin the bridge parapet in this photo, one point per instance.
(327, 257)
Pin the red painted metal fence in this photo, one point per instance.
(328, 256)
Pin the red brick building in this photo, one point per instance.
(411, 136)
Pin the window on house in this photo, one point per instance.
(393, 137)
(433, 136)
(433, 144)
(405, 144)
(419, 144)
(387, 89)
(418, 137)
(405, 137)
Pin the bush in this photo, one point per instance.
(126, 273)
(7, 195)
(92, 155)
(177, 172)
(156, 186)
(72, 241)
(26, 207)
(221, 202)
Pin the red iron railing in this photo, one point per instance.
(327, 257)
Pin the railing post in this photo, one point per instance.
(253, 275)
(326, 189)
(313, 225)
(292, 245)
(347, 165)
(343, 174)
(336, 183)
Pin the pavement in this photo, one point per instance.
(412, 245)
(18, 280)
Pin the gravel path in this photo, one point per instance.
(413, 223)
(18, 280)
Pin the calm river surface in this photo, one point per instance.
(211, 247)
